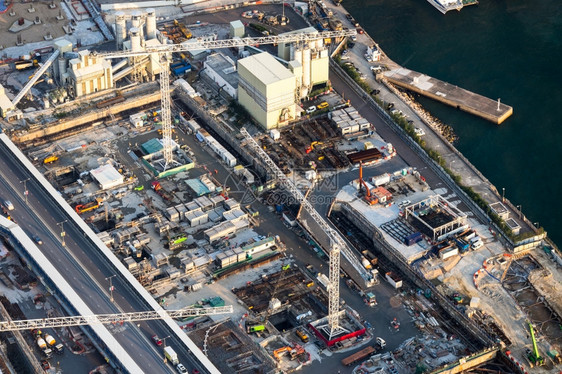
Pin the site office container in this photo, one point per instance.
(413, 239)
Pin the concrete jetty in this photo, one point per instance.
(449, 94)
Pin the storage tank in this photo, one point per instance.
(120, 29)
(62, 69)
(150, 23)
(50, 340)
(319, 44)
(136, 20)
(135, 39)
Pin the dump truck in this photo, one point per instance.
(255, 328)
(374, 260)
(358, 356)
(171, 355)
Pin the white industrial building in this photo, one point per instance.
(267, 90)
(222, 70)
(5, 103)
(237, 29)
(87, 74)
(107, 176)
(308, 61)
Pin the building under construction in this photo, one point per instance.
(436, 218)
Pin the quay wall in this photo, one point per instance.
(475, 111)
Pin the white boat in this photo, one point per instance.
(446, 5)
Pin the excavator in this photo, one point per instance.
(370, 199)
(533, 356)
(311, 148)
(293, 352)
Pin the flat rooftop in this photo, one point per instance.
(379, 216)
(450, 94)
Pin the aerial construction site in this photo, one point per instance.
(201, 188)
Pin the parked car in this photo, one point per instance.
(360, 30)
(323, 105)
(311, 109)
(45, 365)
(419, 132)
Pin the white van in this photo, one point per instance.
(477, 244)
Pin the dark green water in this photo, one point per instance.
(508, 49)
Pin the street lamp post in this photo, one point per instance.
(503, 194)
(25, 192)
(519, 207)
(111, 288)
(62, 233)
(164, 340)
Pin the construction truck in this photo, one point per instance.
(83, 208)
(302, 335)
(171, 355)
(50, 159)
(184, 30)
(50, 340)
(43, 347)
(370, 299)
(156, 186)
(293, 352)
(255, 328)
(535, 359)
(358, 356)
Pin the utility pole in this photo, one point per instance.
(25, 192)
(111, 288)
(62, 233)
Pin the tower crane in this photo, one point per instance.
(42, 323)
(337, 243)
(200, 44)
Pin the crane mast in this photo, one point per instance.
(337, 243)
(41, 323)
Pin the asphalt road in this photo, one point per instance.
(85, 268)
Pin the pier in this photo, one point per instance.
(449, 94)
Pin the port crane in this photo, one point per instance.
(337, 243)
(118, 318)
(163, 51)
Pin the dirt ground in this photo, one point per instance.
(49, 22)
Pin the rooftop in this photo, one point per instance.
(224, 66)
(266, 68)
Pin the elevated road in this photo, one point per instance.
(86, 268)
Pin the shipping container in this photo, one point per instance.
(393, 279)
(448, 252)
(413, 239)
(379, 180)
